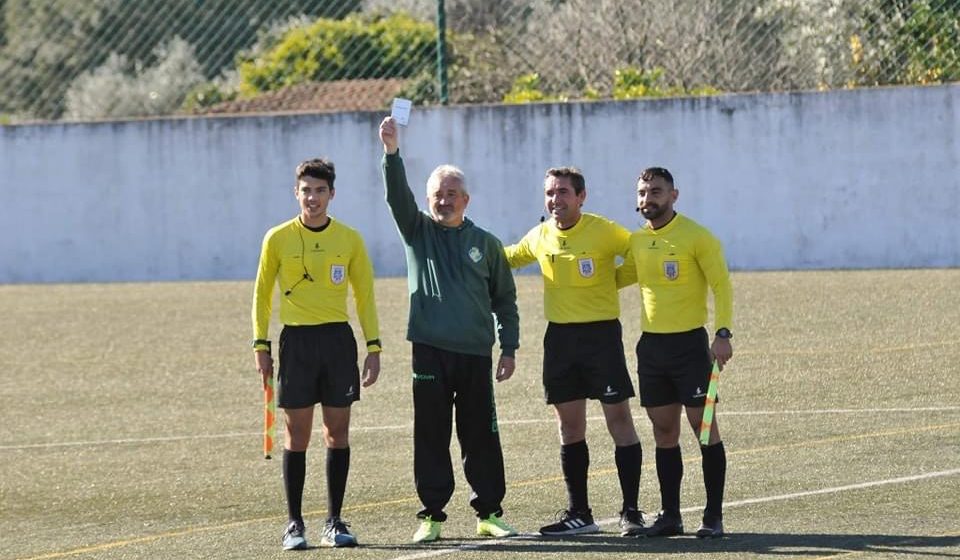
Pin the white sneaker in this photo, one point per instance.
(294, 537)
(336, 534)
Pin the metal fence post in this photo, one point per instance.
(442, 51)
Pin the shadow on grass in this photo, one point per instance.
(773, 544)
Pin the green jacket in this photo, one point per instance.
(458, 278)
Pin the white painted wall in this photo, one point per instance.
(847, 179)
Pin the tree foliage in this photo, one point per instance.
(628, 83)
(49, 43)
(46, 47)
(369, 46)
(528, 89)
(634, 83)
(576, 46)
(560, 49)
(120, 88)
(907, 41)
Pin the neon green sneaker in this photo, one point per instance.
(494, 526)
(428, 531)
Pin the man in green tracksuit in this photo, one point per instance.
(458, 279)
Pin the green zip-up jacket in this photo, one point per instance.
(458, 278)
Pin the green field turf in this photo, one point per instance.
(131, 425)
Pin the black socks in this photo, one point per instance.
(575, 461)
(628, 459)
(338, 466)
(294, 473)
(670, 473)
(714, 459)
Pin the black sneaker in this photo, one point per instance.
(571, 523)
(336, 534)
(293, 537)
(631, 523)
(711, 527)
(666, 525)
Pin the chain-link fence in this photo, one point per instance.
(90, 59)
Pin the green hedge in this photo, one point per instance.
(397, 46)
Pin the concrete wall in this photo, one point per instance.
(845, 179)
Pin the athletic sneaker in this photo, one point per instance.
(711, 527)
(666, 525)
(494, 526)
(428, 531)
(631, 523)
(571, 523)
(336, 534)
(294, 537)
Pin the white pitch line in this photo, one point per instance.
(839, 411)
(159, 439)
(164, 439)
(737, 503)
(550, 420)
(833, 490)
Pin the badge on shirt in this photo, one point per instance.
(671, 269)
(338, 273)
(475, 254)
(586, 267)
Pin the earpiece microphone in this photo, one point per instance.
(306, 276)
(306, 273)
(638, 208)
(542, 219)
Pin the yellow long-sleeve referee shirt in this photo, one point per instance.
(674, 265)
(312, 270)
(578, 267)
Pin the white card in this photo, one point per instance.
(401, 110)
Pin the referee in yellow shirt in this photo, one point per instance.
(312, 258)
(583, 346)
(675, 260)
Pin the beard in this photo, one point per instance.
(652, 211)
(445, 214)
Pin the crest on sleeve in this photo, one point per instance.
(671, 270)
(586, 267)
(338, 273)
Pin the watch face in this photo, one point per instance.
(724, 333)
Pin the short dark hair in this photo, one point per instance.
(651, 173)
(318, 168)
(574, 174)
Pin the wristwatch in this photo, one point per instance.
(724, 333)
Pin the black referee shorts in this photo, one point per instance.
(318, 364)
(674, 368)
(585, 360)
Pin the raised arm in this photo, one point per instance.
(389, 136)
(399, 197)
